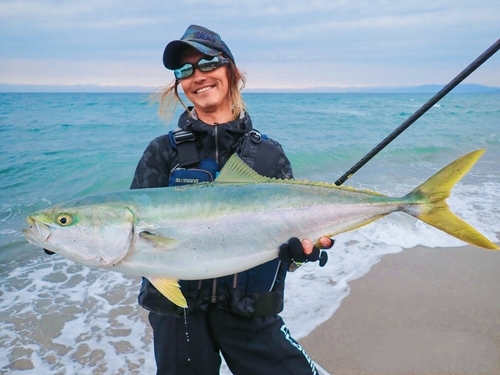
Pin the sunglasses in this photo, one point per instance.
(204, 64)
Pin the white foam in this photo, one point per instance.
(70, 319)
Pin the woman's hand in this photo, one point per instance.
(324, 243)
(305, 251)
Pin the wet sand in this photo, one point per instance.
(422, 311)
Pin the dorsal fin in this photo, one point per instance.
(236, 171)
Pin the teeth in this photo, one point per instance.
(203, 89)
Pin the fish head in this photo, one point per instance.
(92, 235)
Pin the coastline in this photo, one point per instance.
(422, 311)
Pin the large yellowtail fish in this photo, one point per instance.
(235, 223)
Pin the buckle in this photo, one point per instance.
(182, 135)
(255, 136)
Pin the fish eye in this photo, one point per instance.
(64, 219)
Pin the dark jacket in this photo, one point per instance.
(256, 292)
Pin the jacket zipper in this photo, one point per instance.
(214, 291)
(235, 281)
(216, 143)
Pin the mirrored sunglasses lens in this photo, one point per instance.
(184, 72)
(206, 65)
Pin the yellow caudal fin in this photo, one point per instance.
(436, 190)
(170, 289)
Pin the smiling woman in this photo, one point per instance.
(235, 315)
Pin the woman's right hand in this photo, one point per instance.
(305, 251)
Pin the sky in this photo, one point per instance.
(278, 44)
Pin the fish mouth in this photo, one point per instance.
(38, 232)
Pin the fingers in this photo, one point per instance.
(325, 243)
(302, 251)
(316, 254)
(308, 246)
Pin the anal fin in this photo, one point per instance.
(170, 289)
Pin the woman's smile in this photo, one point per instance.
(204, 89)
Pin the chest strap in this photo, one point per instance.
(185, 144)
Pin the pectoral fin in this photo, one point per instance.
(159, 241)
(170, 289)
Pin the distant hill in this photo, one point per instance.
(462, 88)
(423, 89)
(73, 88)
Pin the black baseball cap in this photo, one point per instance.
(202, 39)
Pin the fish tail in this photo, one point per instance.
(437, 213)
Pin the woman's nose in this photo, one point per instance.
(198, 75)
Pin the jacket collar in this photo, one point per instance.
(239, 126)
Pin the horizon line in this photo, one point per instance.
(87, 88)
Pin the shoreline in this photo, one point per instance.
(421, 311)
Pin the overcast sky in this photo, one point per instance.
(279, 44)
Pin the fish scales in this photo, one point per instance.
(263, 216)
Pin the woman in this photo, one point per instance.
(234, 315)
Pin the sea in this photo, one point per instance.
(57, 317)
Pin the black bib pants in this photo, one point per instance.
(190, 345)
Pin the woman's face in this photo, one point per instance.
(208, 91)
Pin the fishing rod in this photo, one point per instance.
(445, 90)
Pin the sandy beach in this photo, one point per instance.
(422, 311)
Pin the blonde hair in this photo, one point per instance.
(169, 95)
